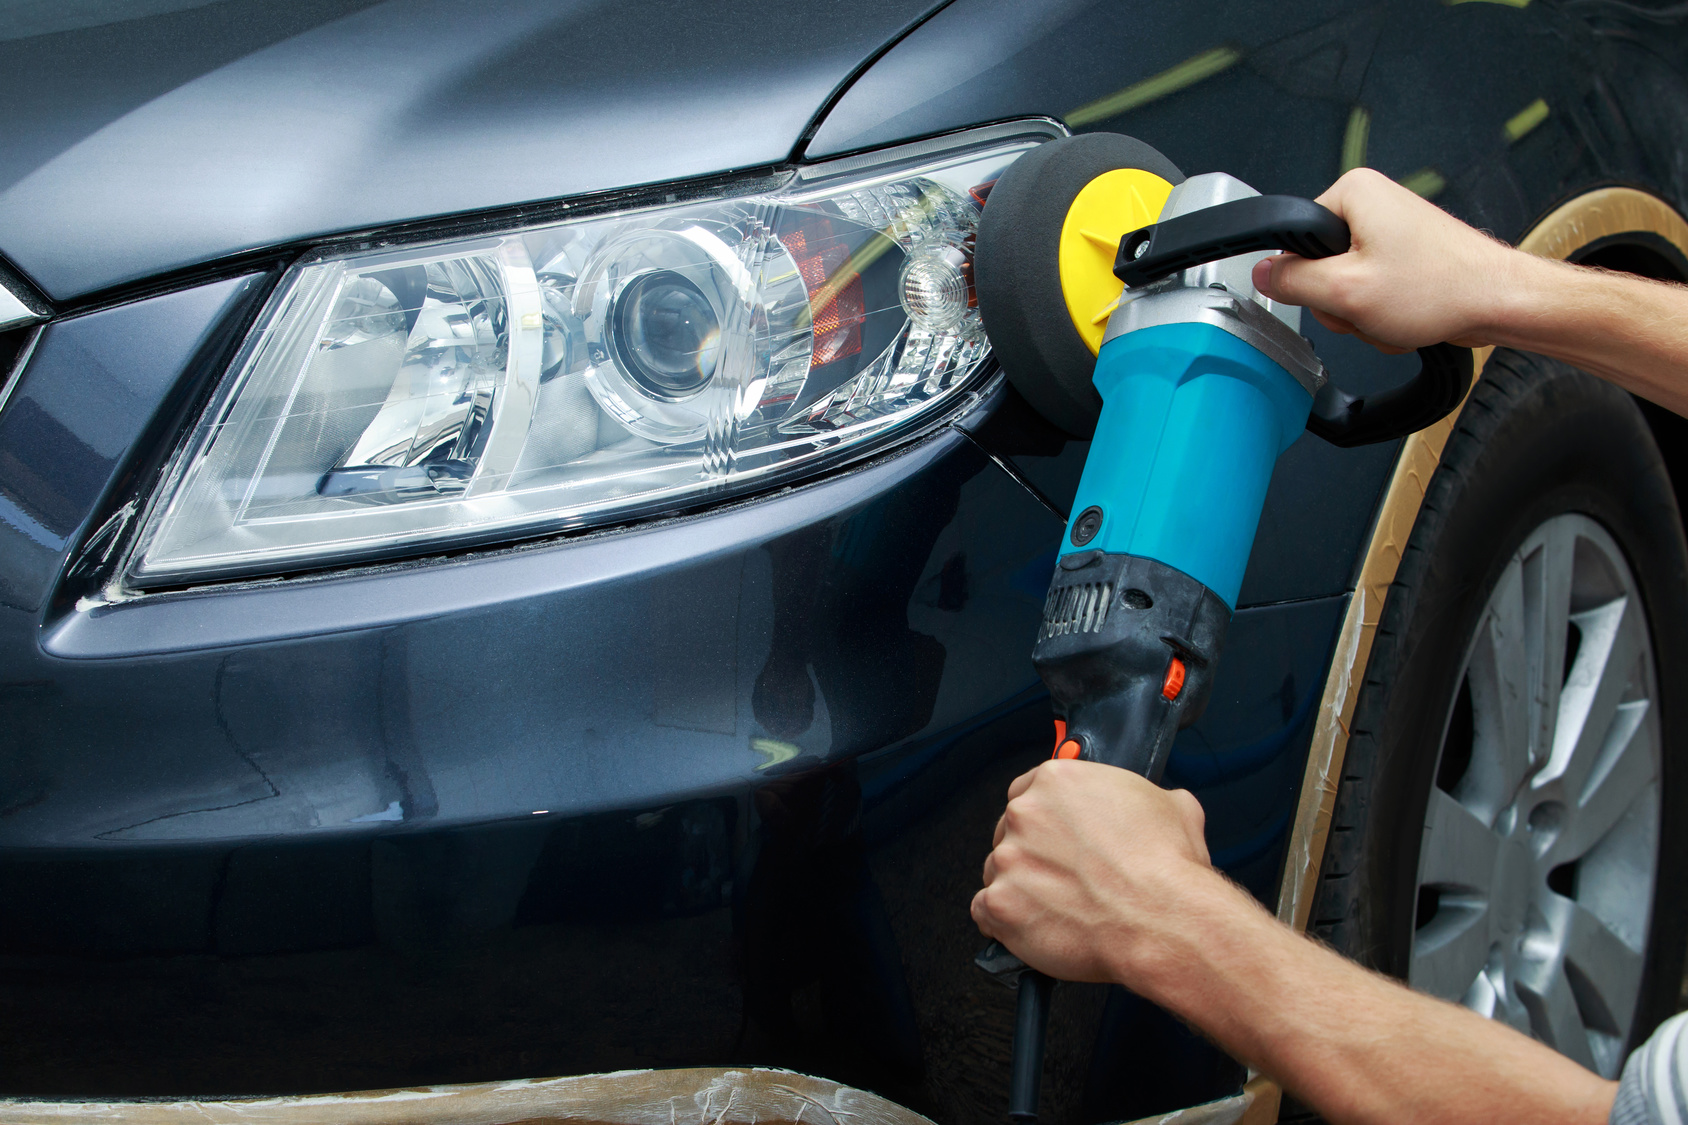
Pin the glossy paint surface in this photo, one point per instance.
(269, 123)
(76, 419)
(714, 790)
(1287, 96)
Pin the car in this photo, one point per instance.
(518, 561)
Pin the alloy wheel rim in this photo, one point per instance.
(1536, 870)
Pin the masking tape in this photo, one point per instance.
(1600, 214)
(1586, 219)
(1420, 454)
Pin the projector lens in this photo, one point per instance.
(667, 334)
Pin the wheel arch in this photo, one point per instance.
(1658, 251)
(1616, 227)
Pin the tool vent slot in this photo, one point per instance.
(1077, 609)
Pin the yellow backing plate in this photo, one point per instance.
(1106, 210)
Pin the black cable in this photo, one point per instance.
(1031, 1022)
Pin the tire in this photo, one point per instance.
(1543, 456)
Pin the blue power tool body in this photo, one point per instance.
(1193, 421)
(1203, 384)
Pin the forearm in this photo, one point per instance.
(1356, 1046)
(1629, 330)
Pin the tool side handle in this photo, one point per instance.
(1260, 222)
(1301, 226)
(1346, 420)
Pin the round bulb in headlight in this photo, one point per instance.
(667, 334)
(934, 287)
(681, 324)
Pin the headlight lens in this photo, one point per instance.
(582, 371)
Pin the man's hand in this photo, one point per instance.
(1100, 876)
(1087, 859)
(1415, 275)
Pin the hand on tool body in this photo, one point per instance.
(1415, 275)
(1099, 875)
(1085, 856)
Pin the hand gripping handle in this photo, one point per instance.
(1259, 222)
(1301, 226)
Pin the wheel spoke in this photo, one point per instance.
(1546, 584)
(1481, 997)
(1554, 1019)
(1450, 952)
(1458, 849)
(1604, 973)
(1589, 703)
(1457, 858)
(1501, 699)
(1624, 769)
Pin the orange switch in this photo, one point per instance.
(1174, 682)
(1069, 750)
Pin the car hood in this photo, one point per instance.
(144, 136)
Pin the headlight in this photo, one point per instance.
(568, 374)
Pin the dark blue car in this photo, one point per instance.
(517, 559)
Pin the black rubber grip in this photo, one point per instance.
(1260, 222)
(1444, 377)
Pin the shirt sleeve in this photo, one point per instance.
(1654, 1086)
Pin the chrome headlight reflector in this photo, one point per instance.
(587, 370)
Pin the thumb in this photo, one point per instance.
(1293, 280)
(1263, 282)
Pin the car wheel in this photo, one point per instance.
(1512, 794)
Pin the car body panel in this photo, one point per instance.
(708, 790)
(1272, 91)
(77, 415)
(715, 737)
(275, 123)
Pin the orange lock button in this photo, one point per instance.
(1174, 682)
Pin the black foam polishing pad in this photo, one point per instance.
(1017, 271)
